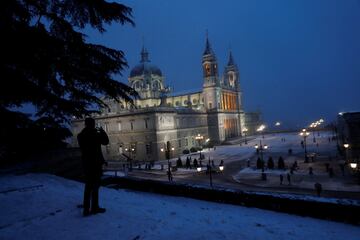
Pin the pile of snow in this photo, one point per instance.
(40, 206)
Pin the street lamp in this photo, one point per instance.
(313, 126)
(261, 149)
(355, 167)
(221, 168)
(305, 134)
(199, 137)
(210, 173)
(261, 129)
(346, 146)
(167, 150)
(245, 131)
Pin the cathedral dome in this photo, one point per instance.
(145, 67)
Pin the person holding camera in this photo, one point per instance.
(90, 140)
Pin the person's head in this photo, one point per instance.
(89, 122)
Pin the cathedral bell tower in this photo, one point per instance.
(211, 85)
(210, 68)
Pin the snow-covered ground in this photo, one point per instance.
(40, 206)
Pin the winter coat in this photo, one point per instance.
(90, 141)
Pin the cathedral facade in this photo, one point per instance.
(163, 124)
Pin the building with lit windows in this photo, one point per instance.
(164, 120)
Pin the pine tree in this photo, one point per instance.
(259, 163)
(270, 163)
(46, 61)
(281, 163)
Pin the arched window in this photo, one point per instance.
(156, 86)
(137, 85)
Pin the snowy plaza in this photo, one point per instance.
(41, 206)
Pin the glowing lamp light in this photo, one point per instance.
(266, 146)
(256, 146)
(346, 145)
(353, 165)
(221, 168)
(161, 149)
(198, 169)
(172, 149)
(277, 124)
(261, 128)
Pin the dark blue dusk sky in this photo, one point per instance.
(299, 60)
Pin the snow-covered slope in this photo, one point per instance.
(40, 206)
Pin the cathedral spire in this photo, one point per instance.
(208, 49)
(144, 55)
(231, 60)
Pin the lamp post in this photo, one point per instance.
(305, 134)
(199, 137)
(346, 146)
(167, 150)
(261, 129)
(313, 126)
(355, 166)
(245, 131)
(261, 148)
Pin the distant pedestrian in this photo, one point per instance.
(318, 188)
(342, 168)
(288, 178)
(187, 163)
(331, 172)
(195, 163)
(290, 151)
(327, 165)
(170, 177)
(311, 171)
(295, 164)
(281, 179)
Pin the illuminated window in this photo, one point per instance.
(207, 69)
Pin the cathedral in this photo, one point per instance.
(162, 124)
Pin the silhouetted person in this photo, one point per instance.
(195, 163)
(170, 177)
(187, 163)
(318, 188)
(90, 140)
(288, 178)
(342, 168)
(311, 171)
(281, 179)
(331, 172)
